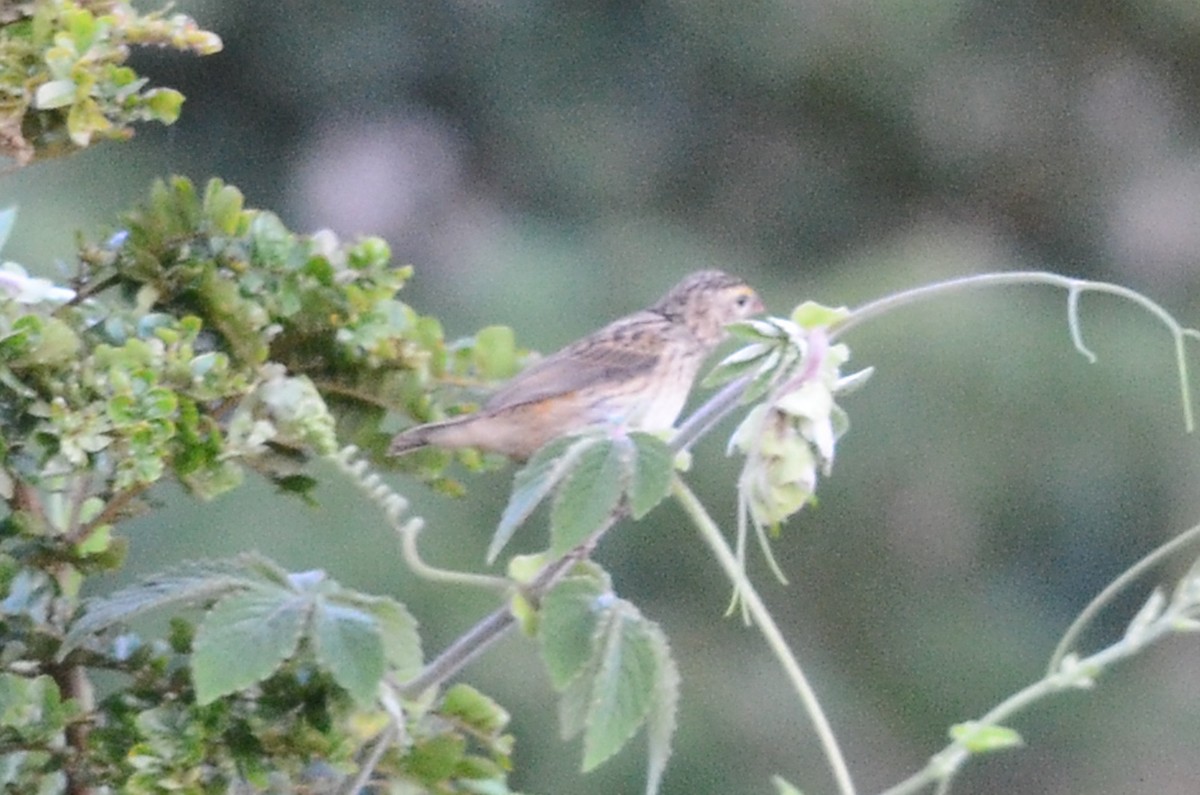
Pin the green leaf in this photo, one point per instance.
(84, 119)
(533, 482)
(398, 628)
(813, 315)
(660, 723)
(981, 738)
(495, 353)
(574, 702)
(244, 638)
(165, 104)
(187, 584)
(95, 542)
(753, 358)
(652, 471)
(569, 616)
(588, 495)
(436, 759)
(31, 708)
(349, 646)
(223, 206)
(474, 709)
(623, 688)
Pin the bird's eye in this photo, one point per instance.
(742, 300)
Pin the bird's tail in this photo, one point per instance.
(407, 441)
(425, 435)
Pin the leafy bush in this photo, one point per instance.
(199, 339)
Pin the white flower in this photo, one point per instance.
(26, 289)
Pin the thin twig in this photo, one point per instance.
(372, 761)
(769, 629)
(1105, 597)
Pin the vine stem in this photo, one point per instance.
(1106, 596)
(1074, 287)
(495, 625)
(770, 630)
(1071, 674)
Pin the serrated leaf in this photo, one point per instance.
(244, 638)
(533, 482)
(623, 688)
(348, 645)
(588, 496)
(981, 738)
(573, 704)
(567, 627)
(398, 629)
(188, 584)
(653, 468)
(660, 723)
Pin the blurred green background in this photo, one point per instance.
(552, 165)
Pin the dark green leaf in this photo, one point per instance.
(623, 688)
(588, 496)
(398, 629)
(573, 703)
(568, 624)
(349, 646)
(653, 468)
(188, 584)
(660, 723)
(244, 638)
(533, 482)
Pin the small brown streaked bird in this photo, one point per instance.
(635, 372)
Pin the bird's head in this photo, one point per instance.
(707, 301)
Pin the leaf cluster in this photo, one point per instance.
(63, 76)
(197, 341)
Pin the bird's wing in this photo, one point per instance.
(624, 349)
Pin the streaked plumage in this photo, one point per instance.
(636, 371)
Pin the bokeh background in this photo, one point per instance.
(552, 165)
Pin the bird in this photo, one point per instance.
(634, 373)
